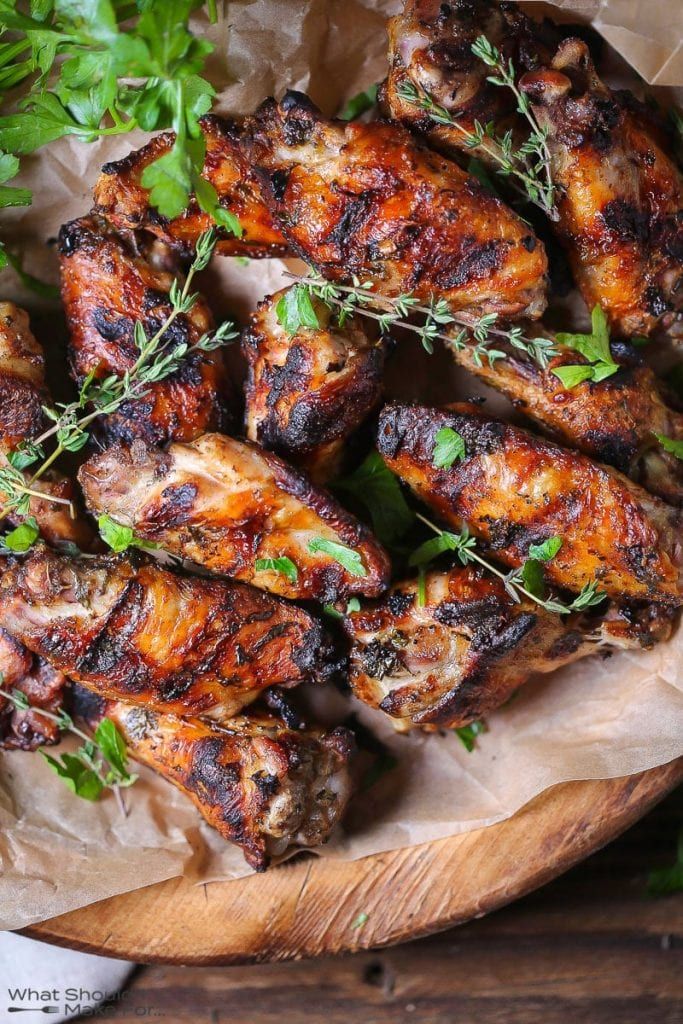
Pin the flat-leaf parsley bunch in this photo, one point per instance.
(104, 67)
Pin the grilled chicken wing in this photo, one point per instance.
(614, 421)
(108, 284)
(43, 686)
(620, 197)
(121, 198)
(263, 786)
(366, 199)
(513, 490)
(308, 392)
(430, 48)
(22, 396)
(224, 504)
(459, 655)
(184, 645)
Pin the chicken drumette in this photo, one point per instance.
(619, 195)
(263, 786)
(308, 392)
(430, 52)
(234, 508)
(110, 282)
(456, 654)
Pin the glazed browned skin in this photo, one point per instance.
(263, 786)
(224, 504)
(367, 199)
(614, 420)
(308, 392)
(620, 197)
(120, 197)
(184, 645)
(430, 47)
(108, 283)
(513, 490)
(457, 657)
(41, 684)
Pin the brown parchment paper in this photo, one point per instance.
(600, 718)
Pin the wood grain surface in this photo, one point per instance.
(313, 907)
(589, 948)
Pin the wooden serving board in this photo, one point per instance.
(313, 906)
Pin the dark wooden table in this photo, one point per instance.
(590, 948)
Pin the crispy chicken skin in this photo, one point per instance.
(109, 283)
(184, 645)
(22, 379)
(430, 47)
(513, 489)
(620, 196)
(120, 197)
(308, 392)
(368, 200)
(22, 396)
(613, 420)
(460, 655)
(263, 786)
(41, 684)
(224, 504)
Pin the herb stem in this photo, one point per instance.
(47, 714)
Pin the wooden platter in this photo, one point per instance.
(314, 907)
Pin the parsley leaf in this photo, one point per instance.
(118, 537)
(450, 445)
(23, 536)
(283, 565)
(547, 550)
(348, 558)
(359, 103)
(669, 444)
(532, 577)
(595, 347)
(377, 489)
(295, 309)
(460, 542)
(80, 779)
(112, 747)
(361, 920)
(467, 734)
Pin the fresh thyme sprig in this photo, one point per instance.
(464, 545)
(101, 761)
(529, 165)
(359, 298)
(159, 357)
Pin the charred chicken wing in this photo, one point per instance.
(308, 392)
(620, 197)
(430, 49)
(261, 785)
(615, 420)
(513, 490)
(368, 200)
(43, 687)
(232, 507)
(456, 656)
(22, 396)
(122, 199)
(184, 645)
(109, 283)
